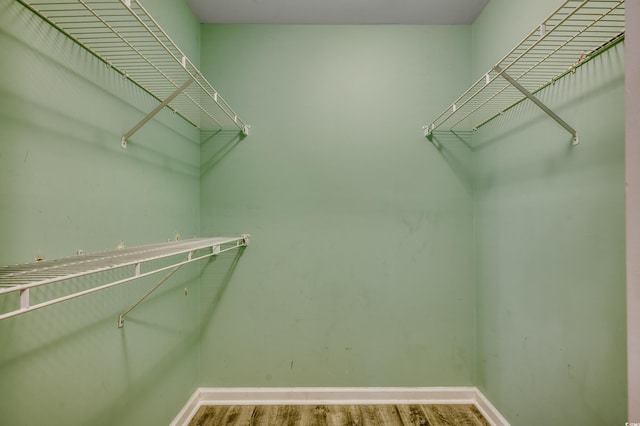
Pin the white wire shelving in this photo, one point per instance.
(126, 264)
(576, 32)
(127, 38)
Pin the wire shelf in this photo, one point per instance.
(123, 35)
(576, 32)
(21, 278)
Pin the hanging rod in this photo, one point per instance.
(133, 263)
(123, 35)
(572, 35)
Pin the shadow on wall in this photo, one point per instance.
(39, 41)
(215, 146)
(54, 82)
(75, 353)
(569, 99)
(562, 97)
(53, 126)
(456, 150)
(525, 113)
(217, 280)
(154, 375)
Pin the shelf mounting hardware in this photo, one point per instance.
(576, 32)
(539, 103)
(156, 110)
(215, 250)
(123, 35)
(131, 263)
(148, 293)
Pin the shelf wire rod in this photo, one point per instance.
(541, 88)
(109, 260)
(481, 105)
(84, 22)
(470, 92)
(451, 111)
(213, 246)
(566, 42)
(92, 290)
(538, 41)
(156, 110)
(507, 92)
(215, 250)
(164, 103)
(217, 98)
(125, 41)
(540, 105)
(153, 34)
(193, 75)
(224, 107)
(529, 70)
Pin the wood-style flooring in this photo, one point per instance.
(338, 415)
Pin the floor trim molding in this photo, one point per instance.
(338, 396)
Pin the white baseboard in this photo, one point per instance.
(488, 410)
(189, 410)
(338, 396)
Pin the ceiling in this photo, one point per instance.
(409, 12)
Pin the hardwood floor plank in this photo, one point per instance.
(468, 415)
(340, 415)
(209, 415)
(269, 416)
(434, 415)
(353, 415)
(259, 415)
(314, 415)
(288, 415)
(232, 415)
(404, 414)
(389, 415)
(478, 416)
(371, 415)
(335, 416)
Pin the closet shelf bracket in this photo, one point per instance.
(48, 282)
(538, 103)
(215, 249)
(578, 31)
(124, 36)
(147, 294)
(156, 110)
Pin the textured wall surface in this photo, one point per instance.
(65, 184)
(550, 241)
(632, 153)
(377, 258)
(359, 272)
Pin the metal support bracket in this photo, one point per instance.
(132, 264)
(156, 110)
(144, 296)
(539, 103)
(428, 129)
(24, 299)
(215, 250)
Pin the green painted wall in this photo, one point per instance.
(550, 240)
(501, 25)
(376, 259)
(359, 271)
(65, 185)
